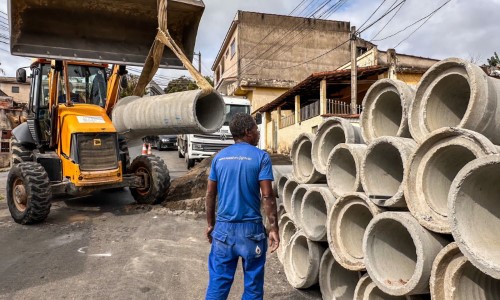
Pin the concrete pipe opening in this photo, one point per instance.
(447, 102)
(475, 211)
(297, 197)
(304, 170)
(387, 114)
(367, 290)
(346, 225)
(281, 184)
(332, 138)
(288, 189)
(302, 259)
(474, 284)
(432, 169)
(305, 166)
(314, 211)
(336, 282)
(284, 219)
(343, 170)
(208, 112)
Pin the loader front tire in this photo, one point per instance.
(28, 193)
(19, 152)
(157, 180)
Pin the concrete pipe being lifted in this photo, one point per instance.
(177, 113)
(313, 212)
(383, 168)
(433, 167)
(335, 282)
(366, 289)
(303, 167)
(296, 201)
(344, 168)
(454, 277)
(301, 261)
(287, 193)
(346, 224)
(474, 205)
(385, 110)
(286, 230)
(399, 253)
(332, 132)
(456, 93)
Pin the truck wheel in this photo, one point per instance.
(189, 162)
(19, 152)
(122, 144)
(158, 179)
(179, 153)
(28, 193)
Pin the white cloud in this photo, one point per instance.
(462, 28)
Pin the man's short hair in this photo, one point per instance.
(240, 124)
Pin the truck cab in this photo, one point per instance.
(195, 147)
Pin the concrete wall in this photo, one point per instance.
(262, 96)
(24, 90)
(228, 64)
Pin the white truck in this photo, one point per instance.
(195, 147)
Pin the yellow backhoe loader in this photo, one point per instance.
(69, 144)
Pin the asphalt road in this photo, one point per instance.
(105, 246)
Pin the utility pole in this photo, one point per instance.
(199, 61)
(354, 72)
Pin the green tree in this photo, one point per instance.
(184, 83)
(494, 61)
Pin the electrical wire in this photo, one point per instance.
(397, 11)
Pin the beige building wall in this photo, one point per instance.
(228, 65)
(287, 135)
(261, 96)
(10, 87)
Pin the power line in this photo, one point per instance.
(380, 18)
(372, 14)
(397, 11)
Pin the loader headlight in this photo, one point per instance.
(197, 146)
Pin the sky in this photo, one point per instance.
(461, 28)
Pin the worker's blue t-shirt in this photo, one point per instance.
(237, 170)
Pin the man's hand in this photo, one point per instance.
(274, 241)
(208, 233)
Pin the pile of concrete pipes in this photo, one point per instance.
(404, 204)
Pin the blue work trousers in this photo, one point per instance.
(230, 242)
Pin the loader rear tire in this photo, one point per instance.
(28, 193)
(19, 152)
(158, 178)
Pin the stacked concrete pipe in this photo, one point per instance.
(301, 261)
(454, 277)
(286, 230)
(332, 132)
(385, 110)
(287, 193)
(184, 112)
(335, 282)
(456, 93)
(314, 211)
(303, 167)
(279, 172)
(399, 253)
(346, 224)
(296, 201)
(344, 168)
(383, 168)
(366, 289)
(432, 169)
(474, 205)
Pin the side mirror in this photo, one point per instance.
(21, 75)
(258, 118)
(124, 82)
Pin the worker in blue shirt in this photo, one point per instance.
(240, 175)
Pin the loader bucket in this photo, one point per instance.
(108, 31)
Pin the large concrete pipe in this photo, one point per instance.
(344, 168)
(296, 202)
(346, 225)
(454, 277)
(287, 193)
(314, 210)
(278, 172)
(456, 93)
(474, 205)
(433, 167)
(385, 110)
(177, 113)
(280, 184)
(335, 282)
(301, 261)
(303, 167)
(332, 132)
(399, 253)
(286, 229)
(383, 168)
(366, 289)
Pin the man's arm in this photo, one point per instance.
(271, 211)
(210, 207)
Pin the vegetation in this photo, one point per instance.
(494, 61)
(184, 83)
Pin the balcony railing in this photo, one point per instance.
(336, 107)
(309, 111)
(287, 121)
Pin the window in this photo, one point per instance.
(227, 53)
(233, 48)
(361, 50)
(15, 89)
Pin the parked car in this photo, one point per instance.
(166, 142)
